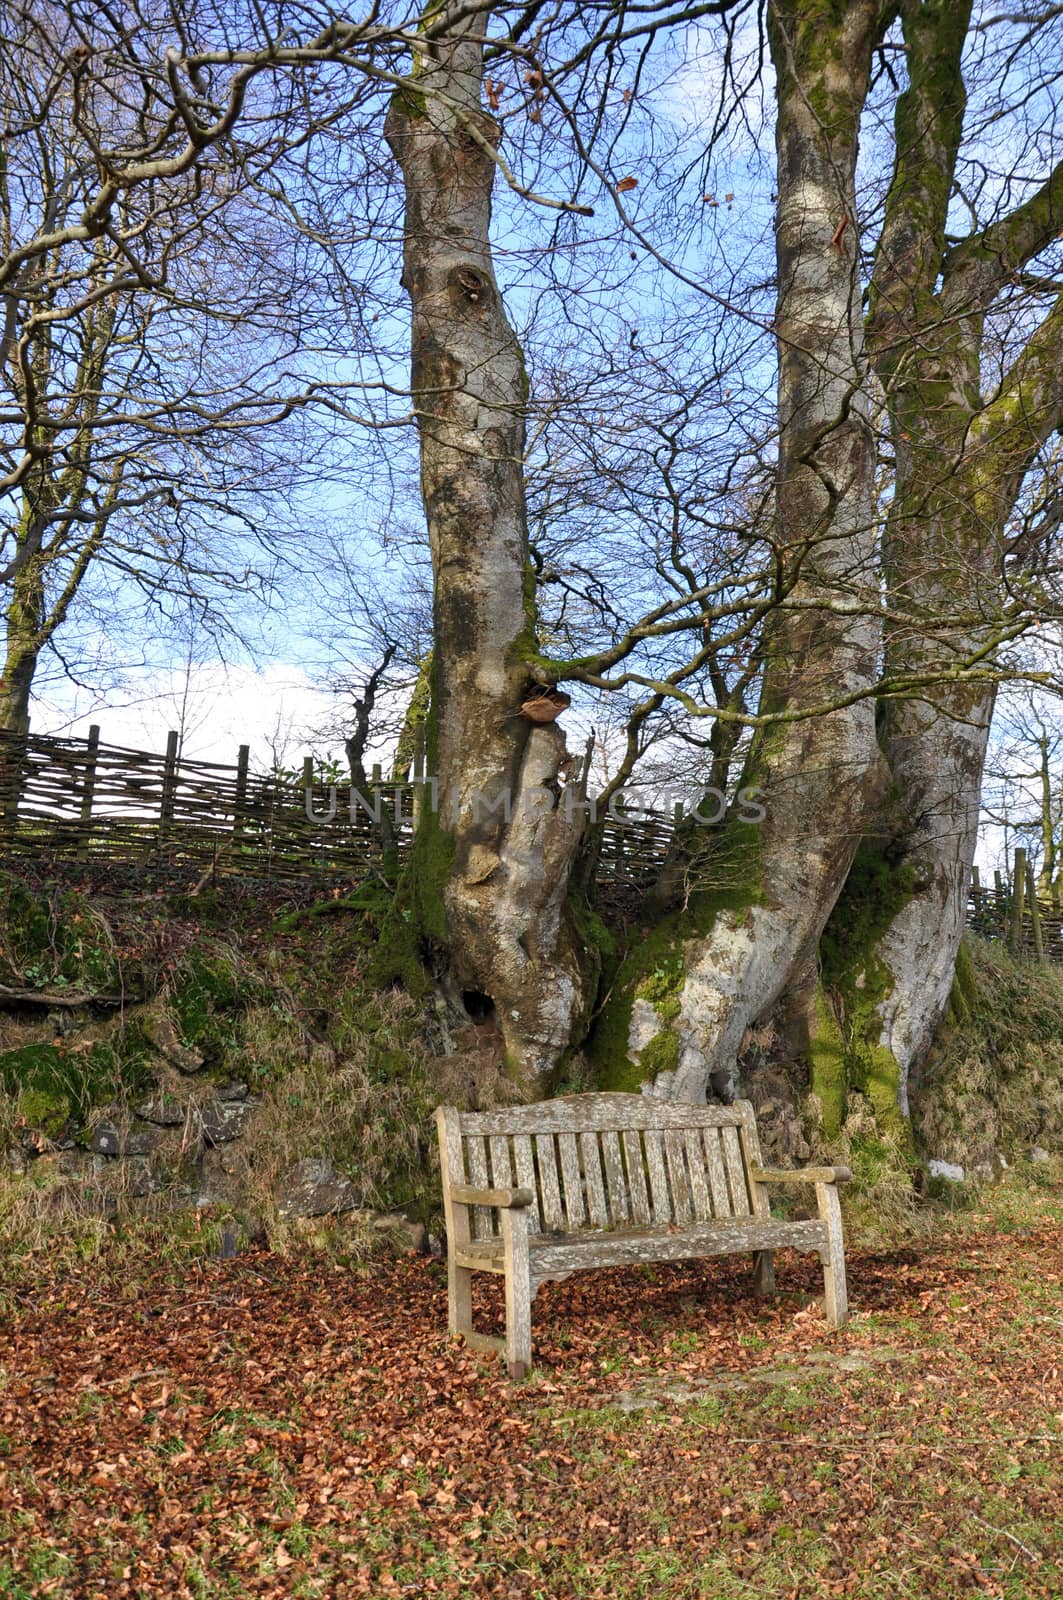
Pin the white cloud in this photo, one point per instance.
(276, 709)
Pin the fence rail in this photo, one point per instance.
(82, 800)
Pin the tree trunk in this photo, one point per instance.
(961, 459)
(752, 925)
(15, 686)
(488, 877)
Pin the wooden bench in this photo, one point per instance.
(597, 1180)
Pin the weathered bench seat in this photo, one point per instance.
(598, 1180)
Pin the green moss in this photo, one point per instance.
(409, 102)
(877, 1073)
(964, 996)
(661, 1054)
(526, 646)
(827, 1071)
(593, 932)
(877, 889)
(49, 1112)
(371, 902)
(808, 39)
(208, 997)
(662, 986)
(416, 921)
(60, 1083)
(53, 940)
(655, 968)
(621, 1075)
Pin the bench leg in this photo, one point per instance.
(764, 1272)
(518, 1293)
(459, 1300)
(835, 1293)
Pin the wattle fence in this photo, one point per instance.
(81, 800)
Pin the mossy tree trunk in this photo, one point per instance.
(964, 443)
(488, 879)
(962, 450)
(752, 924)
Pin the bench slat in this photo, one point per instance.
(699, 1188)
(501, 1163)
(525, 1165)
(604, 1112)
(476, 1170)
(662, 1205)
(721, 1199)
(675, 1150)
(619, 1207)
(570, 1177)
(636, 1177)
(592, 1172)
(736, 1172)
(553, 1218)
(553, 1257)
(751, 1158)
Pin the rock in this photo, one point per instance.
(33, 1142)
(950, 1171)
(81, 1165)
(222, 1174)
(645, 1025)
(991, 1167)
(160, 1030)
(163, 1109)
(111, 1140)
(232, 1090)
(223, 1120)
(131, 1178)
(405, 1234)
(228, 1242)
(15, 1160)
(782, 1135)
(1039, 1154)
(313, 1188)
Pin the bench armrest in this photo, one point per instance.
(802, 1175)
(510, 1199)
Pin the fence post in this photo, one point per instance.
(1035, 915)
(12, 755)
(308, 788)
(418, 775)
(88, 790)
(1018, 892)
(169, 786)
(976, 888)
(243, 761)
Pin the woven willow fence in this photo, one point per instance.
(81, 800)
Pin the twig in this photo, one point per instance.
(41, 997)
(1034, 1555)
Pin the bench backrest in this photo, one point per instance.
(607, 1160)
